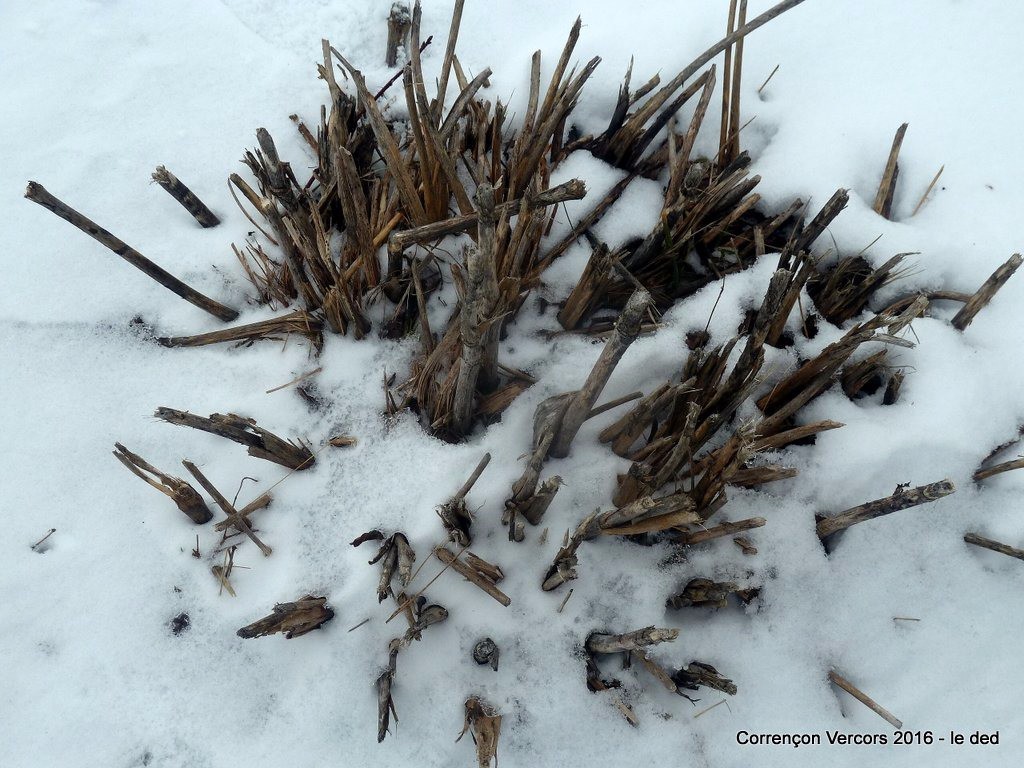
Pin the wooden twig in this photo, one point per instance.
(765, 83)
(298, 322)
(931, 185)
(49, 533)
(902, 498)
(984, 294)
(186, 197)
(724, 529)
(261, 443)
(180, 492)
(38, 194)
(1006, 466)
(449, 558)
(995, 546)
(574, 189)
(887, 187)
(864, 699)
(239, 520)
(627, 328)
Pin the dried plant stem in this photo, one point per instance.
(996, 469)
(468, 485)
(864, 699)
(479, 330)
(630, 641)
(241, 523)
(261, 443)
(449, 558)
(627, 328)
(724, 529)
(186, 197)
(399, 22)
(984, 294)
(180, 492)
(995, 546)
(38, 194)
(887, 187)
(298, 322)
(928, 190)
(903, 498)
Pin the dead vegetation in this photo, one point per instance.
(398, 183)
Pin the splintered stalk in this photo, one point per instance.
(186, 197)
(887, 187)
(37, 194)
(180, 492)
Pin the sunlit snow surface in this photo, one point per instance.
(96, 94)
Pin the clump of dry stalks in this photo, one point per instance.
(453, 163)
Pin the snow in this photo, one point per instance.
(99, 93)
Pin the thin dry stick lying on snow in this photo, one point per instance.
(864, 699)
(902, 498)
(1006, 466)
(995, 546)
(984, 294)
(38, 194)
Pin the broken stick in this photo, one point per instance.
(37, 194)
(261, 443)
(995, 546)
(180, 492)
(186, 197)
(984, 294)
(864, 699)
(627, 328)
(902, 498)
(449, 558)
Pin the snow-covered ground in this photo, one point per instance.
(96, 94)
